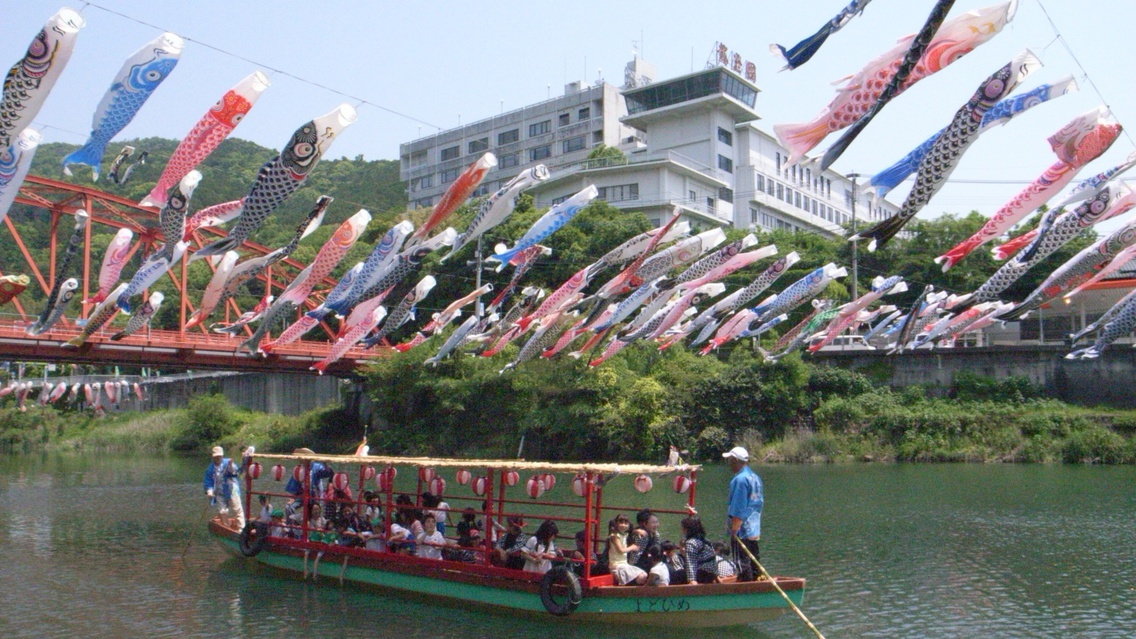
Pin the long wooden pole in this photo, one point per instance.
(774, 582)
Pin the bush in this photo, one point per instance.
(973, 387)
(1095, 445)
(208, 420)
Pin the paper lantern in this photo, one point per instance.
(425, 474)
(579, 485)
(643, 483)
(535, 486)
(511, 477)
(341, 481)
(464, 477)
(480, 486)
(681, 484)
(549, 480)
(278, 472)
(385, 479)
(367, 472)
(438, 486)
(300, 473)
(254, 470)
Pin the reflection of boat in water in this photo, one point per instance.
(494, 488)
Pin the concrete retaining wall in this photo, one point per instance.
(1106, 381)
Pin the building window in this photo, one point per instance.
(597, 137)
(449, 176)
(726, 195)
(573, 144)
(780, 192)
(508, 137)
(760, 183)
(507, 160)
(451, 153)
(482, 189)
(769, 187)
(693, 195)
(540, 152)
(425, 202)
(619, 193)
(584, 114)
(797, 199)
(563, 120)
(540, 128)
(418, 158)
(562, 198)
(778, 163)
(423, 182)
(479, 146)
(726, 164)
(710, 204)
(807, 204)
(752, 216)
(725, 137)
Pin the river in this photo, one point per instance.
(108, 546)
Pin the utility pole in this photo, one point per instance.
(855, 242)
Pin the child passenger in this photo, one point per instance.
(658, 574)
(540, 549)
(622, 572)
(430, 540)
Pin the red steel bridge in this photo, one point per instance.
(193, 349)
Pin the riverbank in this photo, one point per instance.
(877, 425)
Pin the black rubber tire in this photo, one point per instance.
(566, 578)
(251, 544)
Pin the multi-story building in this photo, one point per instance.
(690, 142)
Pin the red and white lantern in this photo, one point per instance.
(681, 484)
(385, 479)
(300, 473)
(254, 470)
(438, 486)
(480, 486)
(511, 477)
(341, 481)
(643, 483)
(549, 480)
(367, 472)
(278, 472)
(464, 477)
(579, 485)
(535, 486)
(426, 474)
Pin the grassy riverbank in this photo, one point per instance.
(790, 412)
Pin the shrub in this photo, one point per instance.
(209, 419)
(1096, 445)
(973, 387)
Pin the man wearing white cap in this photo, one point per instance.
(743, 510)
(223, 489)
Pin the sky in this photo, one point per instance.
(412, 68)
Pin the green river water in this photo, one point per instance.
(92, 546)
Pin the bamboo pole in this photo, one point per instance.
(774, 582)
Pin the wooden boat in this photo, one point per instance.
(559, 592)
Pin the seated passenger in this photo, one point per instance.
(433, 504)
(469, 535)
(316, 523)
(676, 567)
(581, 553)
(265, 510)
(645, 535)
(701, 565)
(540, 549)
(430, 541)
(508, 550)
(617, 549)
(657, 574)
(725, 569)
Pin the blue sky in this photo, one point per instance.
(442, 61)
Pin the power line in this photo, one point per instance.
(313, 83)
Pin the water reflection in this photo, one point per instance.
(116, 547)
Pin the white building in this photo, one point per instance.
(690, 141)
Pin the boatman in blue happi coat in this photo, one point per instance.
(223, 488)
(743, 511)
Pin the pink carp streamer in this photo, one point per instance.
(954, 39)
(1078, 143)
(212, 129)
(117, 254)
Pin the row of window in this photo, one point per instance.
(509, 160)
(800, 200)
(770, 222)
(803, 176)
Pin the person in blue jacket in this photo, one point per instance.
(223, 488)
(743, 511)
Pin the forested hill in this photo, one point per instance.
(228, 173)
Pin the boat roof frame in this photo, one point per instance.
(504, 464)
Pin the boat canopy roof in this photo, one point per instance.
(503, 464)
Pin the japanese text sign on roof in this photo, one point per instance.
(732, 60)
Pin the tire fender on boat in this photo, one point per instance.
(560, 575)
(254, 537)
